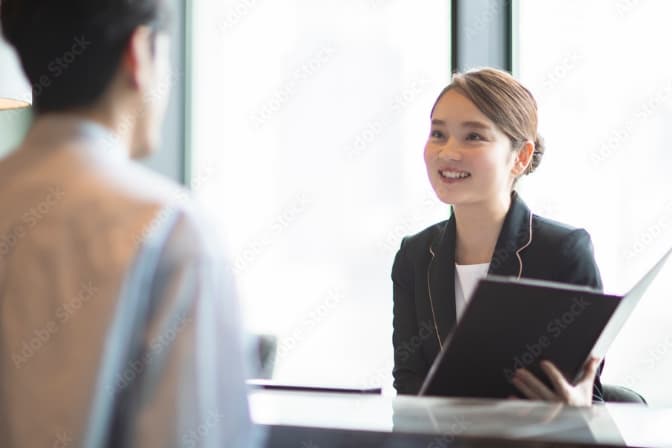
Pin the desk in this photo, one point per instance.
(324, 420)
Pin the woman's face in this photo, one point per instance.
(469, 160)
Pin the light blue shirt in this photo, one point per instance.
(118, 315)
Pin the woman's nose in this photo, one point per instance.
(450, 150)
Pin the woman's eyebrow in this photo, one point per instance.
(464, 124)
(475, 124)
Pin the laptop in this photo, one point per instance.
(516, 323)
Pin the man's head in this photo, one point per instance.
(105, 57)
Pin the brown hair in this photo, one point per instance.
(506, 102)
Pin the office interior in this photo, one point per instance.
(299, 127)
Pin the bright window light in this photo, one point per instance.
(310, 119)
(604, 87)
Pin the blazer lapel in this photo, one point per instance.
(441, 280)
(515, 236)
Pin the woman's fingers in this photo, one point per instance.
(591, 370)
(524, 389)
(532, 387)
(576, 395)
(579, 394)
(560, 384)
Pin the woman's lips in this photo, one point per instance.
(450, 176)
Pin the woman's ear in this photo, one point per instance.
(523, 158)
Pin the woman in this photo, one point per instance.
(483, 138)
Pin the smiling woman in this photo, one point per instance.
(483, 137)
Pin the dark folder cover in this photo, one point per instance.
(511, 324)
(516, 323)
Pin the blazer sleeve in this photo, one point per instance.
(410, 367)
(578, 261)
(579, 268)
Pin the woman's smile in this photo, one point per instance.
(452, 176)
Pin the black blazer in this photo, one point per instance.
(423, 276)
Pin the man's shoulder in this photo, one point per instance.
(192, 237)
(140, 184)
(188, 232)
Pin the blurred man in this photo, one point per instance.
(118, 323)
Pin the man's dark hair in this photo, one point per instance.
(71, 49)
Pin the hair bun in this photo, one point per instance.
(539, 149)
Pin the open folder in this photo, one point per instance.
(511, 324)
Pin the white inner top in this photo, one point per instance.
(466, 278)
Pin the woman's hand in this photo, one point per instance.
(580, 394)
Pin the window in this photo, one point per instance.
(309, 123)
(604, 89)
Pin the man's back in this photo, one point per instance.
(76, 216)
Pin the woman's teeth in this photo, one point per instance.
(454, 174)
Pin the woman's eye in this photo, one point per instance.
(436, 134)
(475, 137)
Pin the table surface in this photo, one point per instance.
(611, 424)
